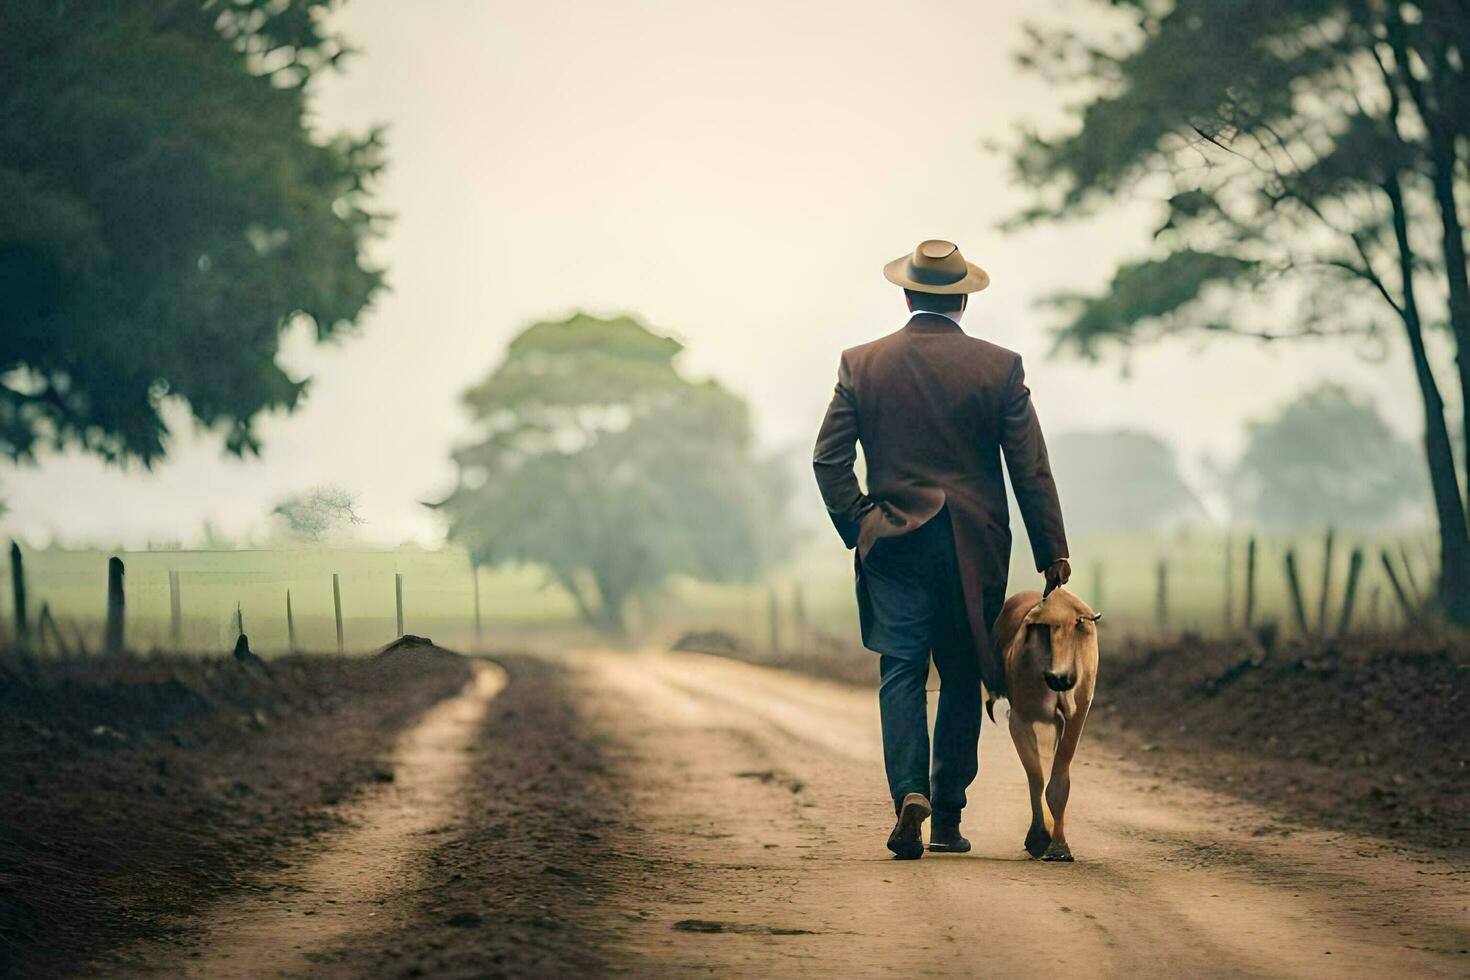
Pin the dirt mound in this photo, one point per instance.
(136, 788)
(405, 642)
(1367, 734)
(709, 641)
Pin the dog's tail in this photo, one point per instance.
(990, 698)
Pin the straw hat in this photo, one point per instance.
(936, 267)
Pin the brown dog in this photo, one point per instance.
(1049, 650)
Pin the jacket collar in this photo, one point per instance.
(923, 320)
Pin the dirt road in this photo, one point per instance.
(770, 787)
(677, 814)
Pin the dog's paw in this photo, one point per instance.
(1057, 851)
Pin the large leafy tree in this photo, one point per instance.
(1326, 458)
(165, 212)
(598, 461)
(1309, 163)
(1121, 480)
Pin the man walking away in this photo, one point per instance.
(936, 410)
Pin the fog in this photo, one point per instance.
(734, 174)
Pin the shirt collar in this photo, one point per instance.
(943, 316)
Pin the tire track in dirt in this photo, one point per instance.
(334, 894)
(520, 884)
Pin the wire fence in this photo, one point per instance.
(349, 600)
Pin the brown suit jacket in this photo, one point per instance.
(935, 410)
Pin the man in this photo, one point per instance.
(935, 411)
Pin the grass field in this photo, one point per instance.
(438, 596)
(1117, 574)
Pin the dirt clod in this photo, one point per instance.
(705, 925)
(464, 920)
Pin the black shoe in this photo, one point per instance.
(945, 836)
(907, 840)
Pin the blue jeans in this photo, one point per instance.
(918, 610)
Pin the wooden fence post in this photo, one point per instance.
(1326, 584)
(798, 610)
(290, 626)
(1398, 590)
(752, 619)
(46, 623)
(1161, 596)
(41, 618)
(475, 577)
(1350, 592)
(398, 597)
(18, 591)
(1229, 582)
(239, 619)
(775, 625)
(1294, 585)
(337, 607)
(1250, 583)
(80, 633)
(1414, 592)
(175, 610)
(116, 604)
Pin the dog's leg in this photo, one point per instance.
(1023, 733)
(1059, 787)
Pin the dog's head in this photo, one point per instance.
(1062, 630)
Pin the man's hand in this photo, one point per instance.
(1057, 573)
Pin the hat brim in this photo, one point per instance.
(975, 280)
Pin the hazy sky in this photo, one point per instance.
(737, 174)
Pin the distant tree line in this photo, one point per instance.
(1121, 481)
(1324, 459)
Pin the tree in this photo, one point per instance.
(317, 512)
(1309, 163)
(600, 462)
(212, 538)
(165, 213)
(1327, 458)
(1125, 480)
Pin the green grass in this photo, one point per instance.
(438, 596)
(1117, 574)
(517, 606)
